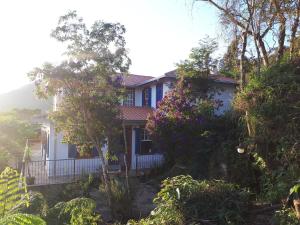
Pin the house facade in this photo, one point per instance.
(142, 98)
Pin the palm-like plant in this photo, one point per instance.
(13, 193)
(294, 199)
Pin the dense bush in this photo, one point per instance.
(272, 103)
(183, 200)
(21, 219)
(121, 199)
(81, 188)
(37, 205)
(13, 191)
(286, 217)
(177, 125)
(78, 211)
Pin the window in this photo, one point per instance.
(146, 143)
(147, 97)
(129, 98)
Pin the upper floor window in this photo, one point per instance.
(146, 98)
(129, 98)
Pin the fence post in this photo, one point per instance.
(54, 168)
(74, 169)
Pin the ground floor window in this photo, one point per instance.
(146, 144)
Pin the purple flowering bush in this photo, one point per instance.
(179, 123)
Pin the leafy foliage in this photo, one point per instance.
(180, 121)
(15, 128)
(177, 125)
(122, 201)
(13, 191)
(87, 85)
(22, 219)
(272, 103)
(37, 205)
(200, 61)
(285, 217)
(78, 211)
(183, 200)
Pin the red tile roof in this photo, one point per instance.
(132, 79)
(135, 113)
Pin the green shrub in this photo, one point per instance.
(22, 219)
(78, 189)
(86, 185)
(272, 103)
(276, 184)
(285, 217)
(71, 191)
(183, 200)
(121, 199)
(78, 211)
(37, 205)
(13, 191)
(55, 215)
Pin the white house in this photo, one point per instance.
(143, 94)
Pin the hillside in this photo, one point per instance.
(23, 97)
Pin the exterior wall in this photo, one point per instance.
(57, 149)
(59, 164)
(225, 94)
(61, 148)
(138, 94)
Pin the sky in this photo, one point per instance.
(159, 33)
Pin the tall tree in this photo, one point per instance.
(201, 61)
(294, 27)
(86, 84)
(235, 15)
(230, 62)
(271, 22)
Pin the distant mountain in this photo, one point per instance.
(23, 97)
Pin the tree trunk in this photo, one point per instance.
(243, 73)
(258, 64)
(294, 30)
(125, 158)
(281, 38)
(105, 176)
(242, 61)
(282, 27)
(262, 47)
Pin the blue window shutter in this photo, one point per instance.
(95, 153)
(149, 96)
(72, 151)
(143, 98)
(159, 92)
(137, 140)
